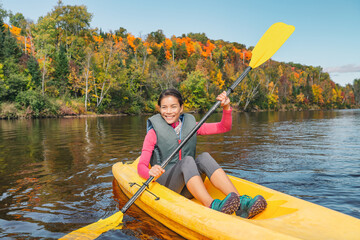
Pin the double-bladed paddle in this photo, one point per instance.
(269, 43)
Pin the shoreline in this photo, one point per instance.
(92, 115)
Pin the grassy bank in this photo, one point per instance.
(38, 107)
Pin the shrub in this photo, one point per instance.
(11, 86)
(35, 104)
(8, 110)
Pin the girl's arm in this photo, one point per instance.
(147, 150)
(219, 127)
(226, 120)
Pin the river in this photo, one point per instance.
(56, 175)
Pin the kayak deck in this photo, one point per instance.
(285, 217)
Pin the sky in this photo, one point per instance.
(327, 32)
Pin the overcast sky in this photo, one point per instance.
(327, 32)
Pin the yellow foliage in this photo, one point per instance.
(271, 86)
(334, 95)
(337, 95)
(219, 82)
(182, 64)
(273, 99)
(300, 98)
(317, 92)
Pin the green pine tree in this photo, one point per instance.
(34, 70)
(221, 61)
(162, 57)
(61, 73)
(11, 48)
(2, 39)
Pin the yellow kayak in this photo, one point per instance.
(286, 217)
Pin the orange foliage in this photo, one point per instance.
(189, 44)
(15, 30)
(148, 49)
(243, 53)
(238, 51)
(131, 40)
(98, 39)
(208, 48)
(116, 38)
(168, 43)
(296, 75)
(168, 54)
(248, 55)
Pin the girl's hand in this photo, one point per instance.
(225, 101)
(156, 171)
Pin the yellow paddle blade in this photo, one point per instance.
(270, 42)
(94, 230)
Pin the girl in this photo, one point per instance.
(185, 173)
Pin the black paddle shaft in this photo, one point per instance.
(186, 139)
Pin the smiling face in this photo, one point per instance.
(170, 109)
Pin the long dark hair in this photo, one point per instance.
(171, 92)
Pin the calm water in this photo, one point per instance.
(55, 174)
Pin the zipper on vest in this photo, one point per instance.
(180, 150)
(179, 140)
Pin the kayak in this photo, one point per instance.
(285, 217)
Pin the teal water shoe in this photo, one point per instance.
(228, 205)
(250, 207)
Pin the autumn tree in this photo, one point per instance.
(167, 77)
(253, 87)
(87, 74)
(44, 34)
(317, 92)
(106, 66)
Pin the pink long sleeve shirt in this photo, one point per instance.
(206, 129)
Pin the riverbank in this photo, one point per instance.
(73, 110)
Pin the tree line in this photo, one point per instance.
(61, 66)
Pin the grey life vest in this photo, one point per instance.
(168, 140)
